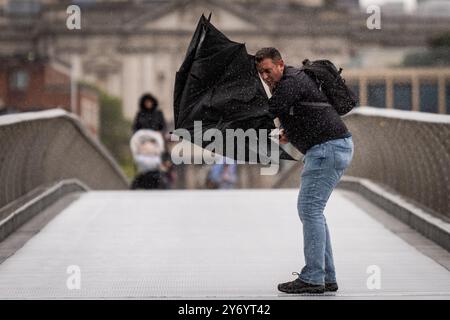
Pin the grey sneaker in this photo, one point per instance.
(299, 286)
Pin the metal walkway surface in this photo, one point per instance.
(204, 244)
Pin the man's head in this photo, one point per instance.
(270, 65)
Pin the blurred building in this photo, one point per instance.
(434, 8)
(29, 83)
(131, 47)
(412, 89)
(352, 5)
(391, 7)
(394, 8)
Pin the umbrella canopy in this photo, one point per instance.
(219, 85)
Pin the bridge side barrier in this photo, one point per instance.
(42, 148)
(408, 152)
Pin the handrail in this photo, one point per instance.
(38, 148)
(407, 151)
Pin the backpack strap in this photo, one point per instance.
(310, 104)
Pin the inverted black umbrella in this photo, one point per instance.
(218, 84)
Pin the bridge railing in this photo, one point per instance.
(406, 151)
(43, 148)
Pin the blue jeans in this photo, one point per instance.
(324, 165)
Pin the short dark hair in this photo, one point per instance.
(267, 53)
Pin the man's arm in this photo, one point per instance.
(279, 131)
(284, 96)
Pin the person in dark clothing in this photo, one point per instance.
(148, 116)
(320, 134)
(168, 173)
(147, 180)
(305, 126)
(151, 118)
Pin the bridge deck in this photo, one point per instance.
(211, 244)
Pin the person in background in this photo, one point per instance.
(168, 173)
(147, 147)
(222, 176)
(149, 116)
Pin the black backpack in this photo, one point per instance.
(329, 80)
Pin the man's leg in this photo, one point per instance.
(343, 154)
(318, 180)
(324, 166)
(330, 272)
(310, 208)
